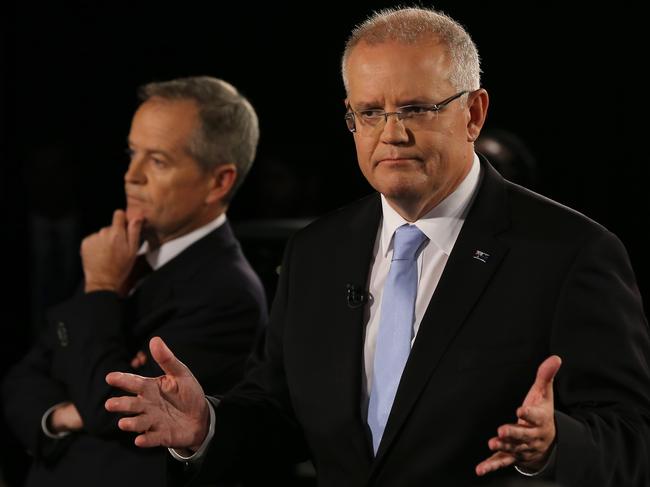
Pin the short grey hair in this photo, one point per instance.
(411, 25)
(229, 129)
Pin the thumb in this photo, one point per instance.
(166, 359)
(546, 373)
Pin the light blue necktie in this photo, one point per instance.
(395, 327)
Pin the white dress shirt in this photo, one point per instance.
(441, 225)
(160, 256)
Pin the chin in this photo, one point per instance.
(400, 187)
(134, 212)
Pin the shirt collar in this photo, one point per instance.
(442, 223)
(167, 251)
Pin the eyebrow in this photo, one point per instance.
(366, 105)
(374, 105)
(152, 151)
(417, 101)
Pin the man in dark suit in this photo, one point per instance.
(191, 143)
(408, 327)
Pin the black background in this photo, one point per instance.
(567, 81)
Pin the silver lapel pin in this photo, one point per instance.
(482, 256)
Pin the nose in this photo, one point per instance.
(393, 131)
(135, 173)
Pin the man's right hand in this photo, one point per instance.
(108, 255)
(170, 410)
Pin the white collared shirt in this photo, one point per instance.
(441, 225)
(167, 251)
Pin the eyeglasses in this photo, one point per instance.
(413, 116)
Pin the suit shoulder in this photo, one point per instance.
(540, 214)
(333, 223)
(215, 271)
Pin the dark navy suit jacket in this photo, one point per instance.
(206, 303)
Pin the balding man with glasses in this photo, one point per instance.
(441, 331)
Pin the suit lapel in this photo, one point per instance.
(154, 300)
(353, 254)
(475, 257)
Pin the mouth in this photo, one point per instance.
(134, 199)
(397, 161)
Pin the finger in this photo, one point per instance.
(495, 462)
(119, 219)
(136, 424)
(548, 370)
(545, 374)
(517, 433)
(532, 415)
(127, 382)
(139, 360)
(89, 240)
(124, 405)
(133, 234)
(166, 359)
(516, 449)
(149, 439)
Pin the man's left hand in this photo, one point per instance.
(528, 443)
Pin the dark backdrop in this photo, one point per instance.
(564, 80)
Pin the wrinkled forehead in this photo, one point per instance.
(398, 71)
(164, 123)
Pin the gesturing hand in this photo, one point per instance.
(528, 443)
(170, 410)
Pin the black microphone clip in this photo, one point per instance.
(355, 296)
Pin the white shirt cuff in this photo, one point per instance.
(198, 454)
(44, 420)
(528, 473)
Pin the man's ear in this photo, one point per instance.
(477, 102)
(222, 180)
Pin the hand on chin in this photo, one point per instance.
(133, 213)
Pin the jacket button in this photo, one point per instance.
(62, 333)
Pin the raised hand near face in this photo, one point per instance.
(108, 255)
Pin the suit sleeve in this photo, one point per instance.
(28, 391)
(255, 423)
(603, 387)
(212, 336)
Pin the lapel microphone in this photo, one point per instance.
(355, 296)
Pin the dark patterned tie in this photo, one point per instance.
(139, 271)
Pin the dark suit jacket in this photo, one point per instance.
(554, 282)
(206, 303)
